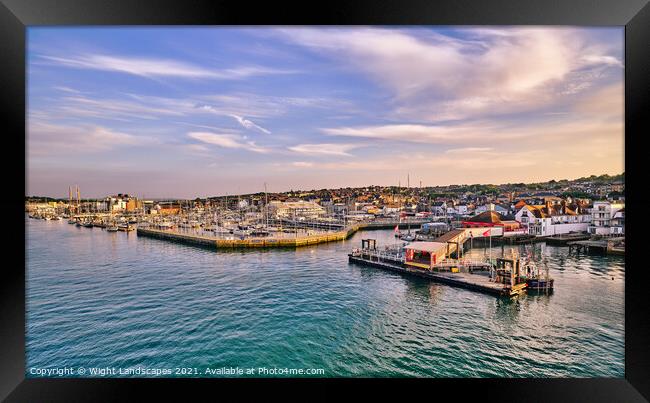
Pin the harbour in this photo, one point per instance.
(136, 300)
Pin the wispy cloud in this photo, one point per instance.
(227, 141)
(66, 89)
(198, 149)
(146, 67)
(85, 106)
(50, 139)
(468, 150)
(249, 125)
(264, 106)
(496, 104)
(324, 149)
(435, 77)
(410, 132)
(302, 164)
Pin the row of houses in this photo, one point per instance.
(603, 218)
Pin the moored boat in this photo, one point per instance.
(126, 227)
(535, 279)
(540, 284)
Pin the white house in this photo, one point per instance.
(607, 218)
(439, 208)
(547, 220)
(391, 210)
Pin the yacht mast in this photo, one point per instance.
(266, 206)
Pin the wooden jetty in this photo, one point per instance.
(610, 245)
(518, 239)
(564, 239)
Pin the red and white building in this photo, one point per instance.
(494, 219)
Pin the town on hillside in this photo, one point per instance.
(593, 205)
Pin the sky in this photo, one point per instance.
(206, 111)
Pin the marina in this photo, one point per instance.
(278, 239)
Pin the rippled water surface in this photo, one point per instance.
(99, 299)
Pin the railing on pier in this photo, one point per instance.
(378, 255)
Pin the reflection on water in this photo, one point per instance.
(114, 299)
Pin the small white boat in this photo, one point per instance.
(241, 232)
(126, 228)
(112, 228)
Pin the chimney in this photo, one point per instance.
(548, 207)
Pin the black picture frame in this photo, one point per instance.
(16, 15)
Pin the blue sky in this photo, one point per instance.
(194, 112)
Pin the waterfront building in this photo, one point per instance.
(553, 219)
(133, 204)
(494, 219)
(425, 254)
(607, 218)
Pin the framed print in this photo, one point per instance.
(414, 194)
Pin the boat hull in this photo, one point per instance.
(540, 284)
